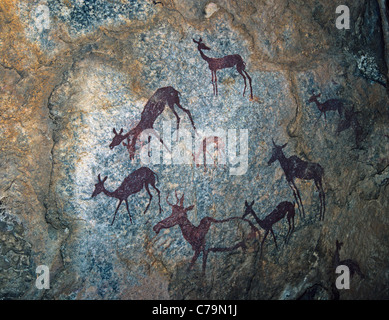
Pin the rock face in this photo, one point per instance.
(76, 72)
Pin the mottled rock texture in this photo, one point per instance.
(72, 70)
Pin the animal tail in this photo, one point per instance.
(254, 229)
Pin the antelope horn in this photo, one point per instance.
(182, 201)
(178, 200)
(98, 177)
(167, 200)
(273, 142)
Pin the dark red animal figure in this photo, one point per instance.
(294, 168)
(329, 105)
(142, 177)
(351, 264)
(153, 108)
(229, 61)
(196, 236)
(219, 147)
(283, 209)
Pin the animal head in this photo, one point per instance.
(201, 45)
(117, 139)
(179, 212)
(276, 152)
(248, 208)
(99, 186)
(314, 97)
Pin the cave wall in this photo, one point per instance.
(72, 71)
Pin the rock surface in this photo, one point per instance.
(72, 70)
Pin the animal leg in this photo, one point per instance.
(159, 195)
(302, 215)
(263, 240)
(274, 237)
(188, 113)
(205, 257)
(213, 83)
(251, 88)
(297, 196)
(149, 151)
(151, 197)
(128, 210)
(217, 92)
(195, 256)
(177, 117)
(244, 78)
(160, 139)
(117, 208)
(290, 217)
(205, 154)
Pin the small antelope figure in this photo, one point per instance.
(283, 209)
(220, 147)
(153, 108)
(351, 264)
(196, 236)
(294, 168)
(132, 184)
(229, 61)
(329, 105)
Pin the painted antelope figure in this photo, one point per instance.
(219, 147)
(196, 236)
(229, 61)
(153, 108)
(134, 183)
(294, 168)
(329, 105)
(283, 209)
(351, 264)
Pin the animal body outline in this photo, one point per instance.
(132, 184)
(229, 61)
